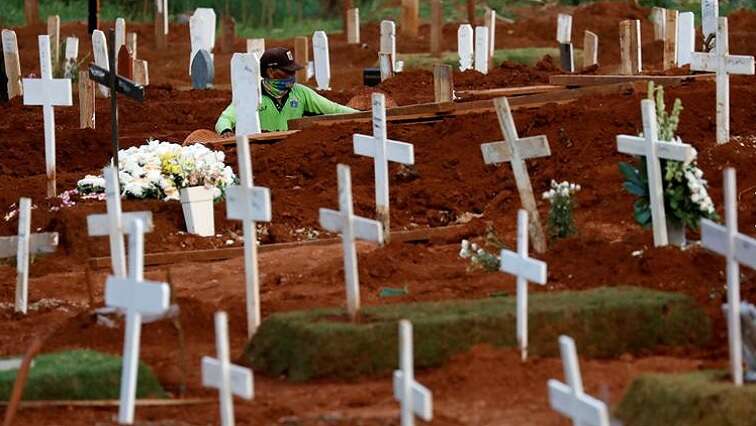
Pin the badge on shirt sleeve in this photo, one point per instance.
(294, 103)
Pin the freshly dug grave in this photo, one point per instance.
(605, 322)
(700, 398)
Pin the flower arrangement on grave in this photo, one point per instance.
(479, 257)
(161, 169)
(561, 222)
(686, 199)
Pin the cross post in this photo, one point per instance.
(249, 204)
(246, 92)
(723, 64)
(570, 400)
(382, 150)
(739, 249)
(655, 150)
(466, 47)
(516, 150)
(351, 227)
(415, 399)
(321, 57)
(219, 373)
(48, 93)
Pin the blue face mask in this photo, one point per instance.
(278, 87)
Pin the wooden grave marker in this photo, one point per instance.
(125, 61)
(115, 223)
(136, 297)
(72, 55)
(322, 59)
(709, 23)
(590, 49)
(202, 32)
(48, 93)
(384, 66)
(569, 399)
(249, 204)
(131, 44)
(3, 79)
(388, 44)
(631, 61)
(686, 38)
(415, 399)
(228, 378)
(383, 150)
(351, 228)
(246, 92)
(466, 47)
(655, 150)
(353, 26)
(257, 46)
(490, 24)
(723, 64)
(443, 83)
(437, 28)
(93, 15)
(53, 30)
(659, 19)
(526, 270)
(120, 34)
(141, 72)
(101, 59)
(410, 17)
(31, 12)
(481, 50)
(669, 60)
(302, 56)
(21, 247)
(86, 101)
(203, 70)
(228, 26)
(737, 248)
(12, 64)
(161, 24)
(564, 38)
(516, 151)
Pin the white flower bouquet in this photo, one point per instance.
(160, 169)
(561, 222)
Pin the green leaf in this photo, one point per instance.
(636, 189)
(629, 172)
(642, 213)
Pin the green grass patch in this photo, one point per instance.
(700, 398)
(527, 56)
(604, 322)
(79, 374)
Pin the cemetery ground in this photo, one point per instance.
(449, 185)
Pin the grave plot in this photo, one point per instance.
(631, 307)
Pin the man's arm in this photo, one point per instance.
(318, 104)
(226, 121)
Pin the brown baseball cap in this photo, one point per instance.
(278, 57)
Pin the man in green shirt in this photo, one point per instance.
(282, 98)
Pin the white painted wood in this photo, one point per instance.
(246, 92)
(202, 32)
(162, 7)
(654, 150)
(466, 47)
(481, 49)
(569, 399)
(723, 64)
(388, 41)
(10, 364)
(322, 60)
(12, 63)
(71, 56)
(686, 37)
(131, 44)
(491, 25)
(659, 19)
(709, 18)
(415, 399)
(249, 204)
(197, 206)
(22, 256)
(98, 225)
(526, 270)
(100, 53)
(120, 34)
(737, 248)
(516, 150)
(256, 46)
(353, 26)
(384, 64)
(48, 93)
(219, 373)
(42, 243)
(383, 151)
(351, 227)
(136, 297)
(564, 28)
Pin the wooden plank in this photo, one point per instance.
(590, 49)
(410, 17)
(31, 11)
(443, 83)
(593, 80)
(429, 109)
(302, 56)
(625, 37)
(437, 26)
(670, 40)
(510, 91)
(86, 101)
(353, 25)
(228, 26)
(209, 137)
(440, 234)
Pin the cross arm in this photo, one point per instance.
(331, 220)
(125, 86)
(527, 148)
(45, 242)
(255, 206)
(147, 297)
(532, 270)
(422, 397)
(584, 409)
(704, 62)
(714, 237)
(636, 145)
(241, 378)
(98, 225)
(398, 152)
(739, 64)
(363, 229)
(55, 92)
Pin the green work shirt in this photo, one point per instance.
(275, 117)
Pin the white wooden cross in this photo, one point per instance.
(465, 47)
(120, 34)
(22, 246)
(136, 297)
(723, 64)
(388, 44)
(115, 223)
(100, 53)
(481, 50)
(415, 399)
(709, 19)
(655, 150)
(202, 32)
(739, 249)
(564, 28)
(686, 37)
(526, 270)
(72, 54)
(382, 150)
(48, 93)
(322, 60)
(256, 45)
(516, 150)
(228, 378)
(570, 400)
(351, 228)
(246, 92)
(249, 204)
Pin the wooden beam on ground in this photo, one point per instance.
(209, 137)
(419, 111)
(593, 80)
(510, 91)
(444, 234)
